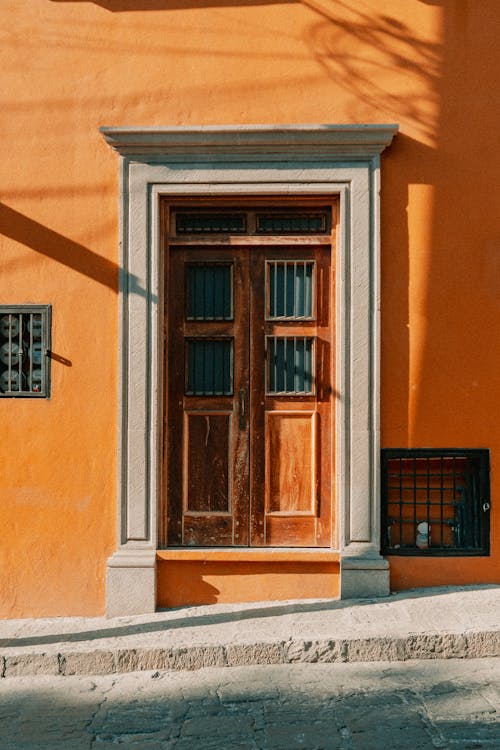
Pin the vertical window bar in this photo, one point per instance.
(213, 291)
(275, 364)
(204, 292)
(201, 368)
(10, 353)
(31, 328)
(428, 493)
(295, 291)
(43, 368)
(19, 354)
(296, 368)
(307, 292)
(231, 292)
(455, 535)
(401, 501)
(275, 294)
(305, 310)
(284, 289)
(415, 516)
(441, 504)
(280, 365)
(474, 509)
(210, 354)
(223, 294)
(228, 369)
(193, 280)
(312, 364)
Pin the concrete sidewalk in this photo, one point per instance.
(433, 623)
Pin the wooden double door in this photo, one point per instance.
(249, 396)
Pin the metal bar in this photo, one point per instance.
(275, 290)
(223, 294)
(9, 353)
(441, 488)
(455, 534)
(45, 353)
(275, 364)
(304, 295)
(296, 382)
(415, 492)
(19, 354)
(204, 288)
(295, 289)
(401, 501)
(30, 352)
(284, 289)
(428, 497)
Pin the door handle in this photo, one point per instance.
(242, 408)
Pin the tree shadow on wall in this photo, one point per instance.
(127, 6)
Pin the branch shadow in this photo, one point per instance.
(127, 6)
(26, 231)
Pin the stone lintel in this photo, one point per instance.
(356, 140)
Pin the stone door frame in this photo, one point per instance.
(337, 160)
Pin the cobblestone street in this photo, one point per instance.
(421, 704)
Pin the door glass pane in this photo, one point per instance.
(290, 361)
(290, 290)
(209, 367)
(209, 291)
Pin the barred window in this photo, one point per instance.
(24, 351)
(435, 501)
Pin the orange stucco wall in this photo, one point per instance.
(70, 66)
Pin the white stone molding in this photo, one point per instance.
(337, 160)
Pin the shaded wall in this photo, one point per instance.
(69, 67)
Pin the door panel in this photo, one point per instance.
(291, 465)
(249, 396)
(290, 462)
(208, 369)
(207, 462)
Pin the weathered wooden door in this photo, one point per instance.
(249, 396)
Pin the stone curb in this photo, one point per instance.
(117, 661)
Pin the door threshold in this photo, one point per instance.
(250, 554)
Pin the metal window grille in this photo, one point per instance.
(435, 501)
(25, 351)
(196, 222)
(292, 223)
(209, 291)
(290, 365)
(209, 367)
(290, 289)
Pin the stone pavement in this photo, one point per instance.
(445, 622)
(416, 705)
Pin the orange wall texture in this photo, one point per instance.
(68, 67)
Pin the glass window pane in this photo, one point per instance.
(209, 367)
(209, 291)
(290, 289)
(290, 365)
